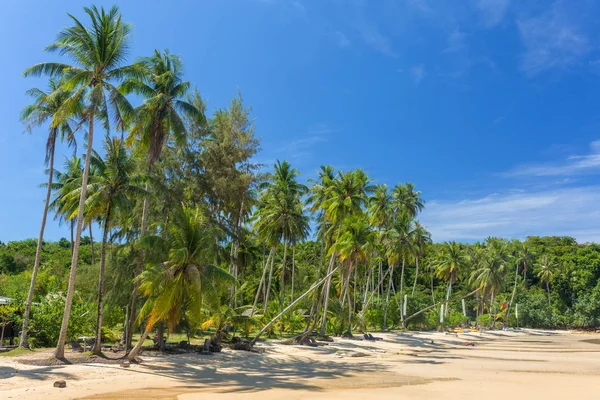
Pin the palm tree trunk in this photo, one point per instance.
(262, 280)
(92, 243)
(432, 291)
(448, 297)
(60, 347)
(138, 267)
(315, 305)
(548, 289)
(98, 345)
(313, 287)
(326, 289)
(387, 299)
(135, 351)
(268, 286)
(402, 294)
(282, 289)
(293, 275)
(416, 275)
(375, 290)
(38, 250)
(72, 235)
(512, 296)
(443, 301)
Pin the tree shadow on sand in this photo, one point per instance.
(254, 373)
(38, 374)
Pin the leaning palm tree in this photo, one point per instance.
(158, 119)
(111, 189)
(184, 279)
(43, 110)
(98, 52)
(546, 271)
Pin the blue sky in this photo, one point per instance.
(489, 106)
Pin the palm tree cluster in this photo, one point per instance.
(190, 226)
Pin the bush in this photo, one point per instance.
(456, 319)
(46, 317)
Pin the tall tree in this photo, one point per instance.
(546, 272)
(421, 238)
(183, 278)
(98, 52)
(160, 117)
(449, 263)
(111, 189)
(44, 110)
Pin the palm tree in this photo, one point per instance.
(420, 239)
(351, 247)
(161, 116)
(407, 200)
(522, 258)
(546, 271)
(488, 275)
(44, 109)
(111, 189)
(450, 261)
(98, 53)
(345, 197)
(281, 214)
(184, 279)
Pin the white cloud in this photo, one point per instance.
(492, 11)
(553, 39)
(567, 211)
(417, 72)
(342, 39)
(573, 165)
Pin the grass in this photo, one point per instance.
(16, 352)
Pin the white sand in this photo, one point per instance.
(526, 364)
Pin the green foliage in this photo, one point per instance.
(45, 314)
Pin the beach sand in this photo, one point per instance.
(525, 364)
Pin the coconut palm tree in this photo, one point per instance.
(489, 271)
(351, 247)
(160, 117)
(98, 52)
(345, 198)
(184, 279)
(449, 263)
(281, 214)
(407, 200)
(546, 271)
(43, 110)
(420, 239)
(111, 189)
(522, 258)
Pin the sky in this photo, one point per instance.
(490, 107)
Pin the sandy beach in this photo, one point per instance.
(515, 364)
